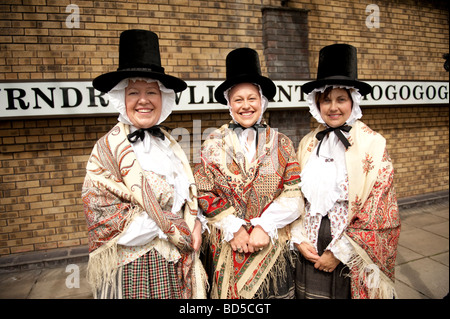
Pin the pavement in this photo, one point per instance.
(422, 260)
(422, 269)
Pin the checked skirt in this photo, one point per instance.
(151, 277)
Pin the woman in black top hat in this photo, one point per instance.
(248, 189)
(139, 194)
(348, 233)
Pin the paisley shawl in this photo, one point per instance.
(115, 190)
(229, 184)
(374, 222)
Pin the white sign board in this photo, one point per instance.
(76, 98)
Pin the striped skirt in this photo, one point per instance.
(311, 283)
(148, 277)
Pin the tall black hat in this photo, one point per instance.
(138, 57)
(338, 65)
(242, 66)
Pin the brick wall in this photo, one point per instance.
(197, 35)
(42, 161)
(408, 45)
(418, 143)
(42, 169)
(285, 35)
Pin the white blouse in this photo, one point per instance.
(325, 188)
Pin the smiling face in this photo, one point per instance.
(143, 102)
(245, 102)
(335, 106)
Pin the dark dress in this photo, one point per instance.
(312, 283)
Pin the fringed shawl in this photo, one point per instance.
(114, 191)
(374, 222)
(229, 184)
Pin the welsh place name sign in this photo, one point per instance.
(79, 98)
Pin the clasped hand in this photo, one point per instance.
(249, 243)
(326, 262)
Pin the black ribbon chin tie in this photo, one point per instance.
(338, 132)
(140, 133)
(255, 126)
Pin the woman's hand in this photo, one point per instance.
(258, 239)
(197, 235)
(308, 251)
(240, 241)
(327, 262)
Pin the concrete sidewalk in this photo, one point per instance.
(422, 261)
(422, 270)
